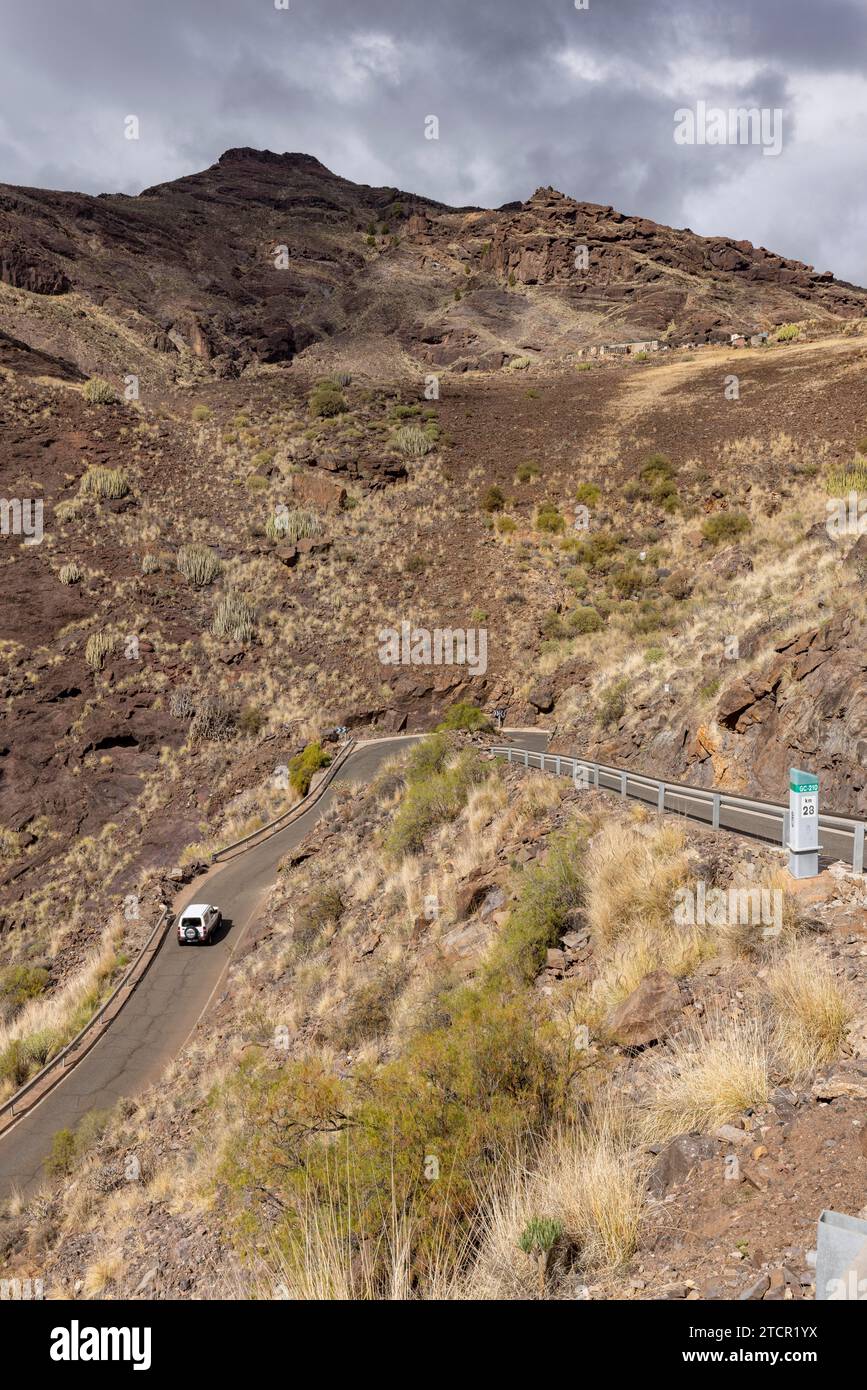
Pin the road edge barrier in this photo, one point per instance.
(58, 1066)
(33, 1091)
(287, 817)
(666, 796)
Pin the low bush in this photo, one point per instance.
(69, 574)
(98, 391)
(588, 494)
(612, 706)
(548, 894)
(432, 801)
(725, 526)
(464, 716)
(304, 764)
(18, 983)
(326, 400)
(549, 518)
(494, 499)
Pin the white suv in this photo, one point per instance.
(197, 923)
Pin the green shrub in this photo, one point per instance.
(61, 1157)
(199, 564)
(432, 802)
(322, 908)
(18, 983)
(494, 499)
(549, 518)
(725, 526)
(664, 494)
(573, 623)
(519, 364)
(69, 1147)
(98, 391)
(506, 525)
(464, 716)
(304, 764)
(657, 468)
(588, 494)
(526, 472)
(599, 551)
(584, 619)
(628, 582)
(104, 482)
(539, 1236)
(788, 332)
(548, 894)
(326, 400)
(612, 706)
(234, 618)
(201, 413)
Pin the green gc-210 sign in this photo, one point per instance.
(803, 823)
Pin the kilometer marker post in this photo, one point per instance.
(803, 826)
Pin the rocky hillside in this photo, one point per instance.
(470, 1050)
(263, 255)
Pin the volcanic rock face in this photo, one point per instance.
(262, 255)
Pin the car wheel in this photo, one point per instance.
(191, 935)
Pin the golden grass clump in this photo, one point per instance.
(812, 1009)
(707, 1079)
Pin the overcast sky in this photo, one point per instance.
(527, 92)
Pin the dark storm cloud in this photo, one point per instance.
(527, 92)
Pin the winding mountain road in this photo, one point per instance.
(160, 1015)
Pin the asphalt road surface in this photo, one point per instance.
(160, 1015)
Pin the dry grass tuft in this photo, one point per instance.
(708, 1079)
(812, 1009)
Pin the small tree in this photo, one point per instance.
(537, 1240)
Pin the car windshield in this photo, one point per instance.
(192, 921)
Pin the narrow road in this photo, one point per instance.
(159, 1017)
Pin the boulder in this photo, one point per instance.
(730, 562)
(541, 697)
(677, 1160)
(647, 1013)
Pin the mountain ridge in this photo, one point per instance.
(191, 271)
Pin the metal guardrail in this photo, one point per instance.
(90, 1034)
(287, 817)
(840, 837)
